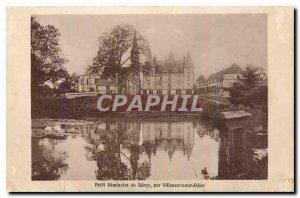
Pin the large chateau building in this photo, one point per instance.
(166, 77)
(170, 76)
(217, 83)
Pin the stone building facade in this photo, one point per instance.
(217, 83)
(169, 76)
(92, 83)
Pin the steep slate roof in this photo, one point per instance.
(201, 78)
(233, 69)
(170, 65)
(188, 61)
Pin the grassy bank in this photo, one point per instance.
(86, 107)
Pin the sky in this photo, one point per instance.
(215, 41)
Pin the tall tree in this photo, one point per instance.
(115, 50)
(135, 55)
(251, 77)
(135, 65)
(251, 89)
(46, 60)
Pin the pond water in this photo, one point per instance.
(129, 150)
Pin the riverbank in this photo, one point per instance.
(86, 107)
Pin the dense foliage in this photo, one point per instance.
(48, 74)
(251, 90)
(119, 54)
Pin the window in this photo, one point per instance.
(159, 83)
(238, 76)
(151, 91)
(96, 80)
(107, 87)
(81, 81)
(178, 91)
(159, 91)
(169, 85)
(160, 78)
(189, 92)
(107, 127)
(144, 91)
(87, 81)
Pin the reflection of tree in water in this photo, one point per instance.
(143, 170)
(207, 128)
(110, 165)
(206, 175)
(139, 171)
(46, 163)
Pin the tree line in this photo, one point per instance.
(118, 58)
(251, 89)
(49, 76)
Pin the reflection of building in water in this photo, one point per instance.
(164, 136)
(169, 137)
(136, 150)
(128, 132)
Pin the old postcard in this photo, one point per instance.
(150, 99)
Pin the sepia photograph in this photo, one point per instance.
(219, 58)
(150, 99)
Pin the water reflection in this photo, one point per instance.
(47, 164)
(131, 150)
